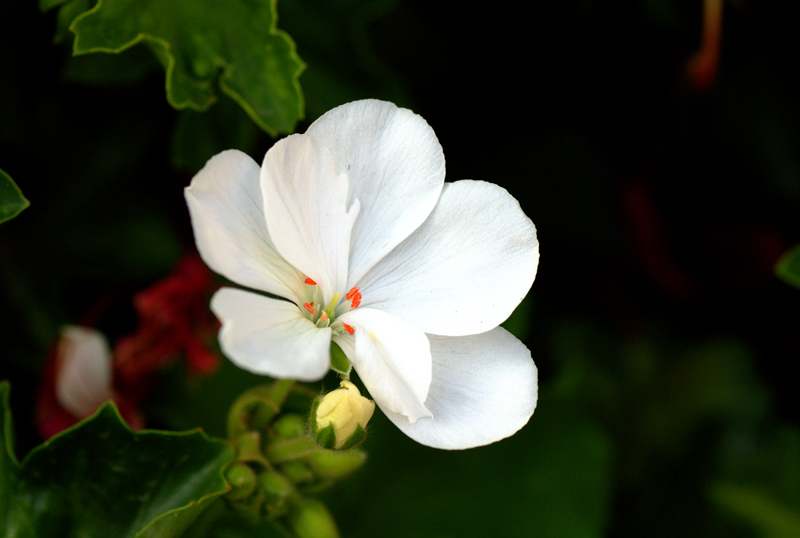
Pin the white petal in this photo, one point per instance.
(484, 389)
(396, 170)
(227, 213)
(270, 337)
(392, 358)
(465, 269)
(83, 378)
(304, 201)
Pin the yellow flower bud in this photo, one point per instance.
(345, 410)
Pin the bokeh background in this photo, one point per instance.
(667, 348)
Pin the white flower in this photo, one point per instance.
(353, 225)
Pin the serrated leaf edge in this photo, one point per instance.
(169, 68)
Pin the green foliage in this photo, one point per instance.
(758, 509)
(788, 267)
(100, 479)
(760, 482)
(12, 202)
(197, 42)
(553, 478)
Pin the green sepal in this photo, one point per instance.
(356, 439)
(12, 202)
(788, 267)
(99, 478)
(339, 362)
(326, 437)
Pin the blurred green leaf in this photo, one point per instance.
(569, 473)
(101, 479)
(759, 509)
(194, 41)
(551, 479)
(759, 480)
(788, 267)
(8, 462)
(12, 202)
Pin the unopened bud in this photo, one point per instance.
(339, 419)
(290, 426)
(276, 490)
(298, 472)
(242, 480)
(312, 520)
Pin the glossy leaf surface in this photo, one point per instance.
(197, 42)
(101, 479)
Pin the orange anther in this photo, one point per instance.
(323, 317)
(351, 293)
(310, 308)
(356, 300)
(310, 282)
(348, 328)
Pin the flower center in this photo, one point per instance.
(325, 317)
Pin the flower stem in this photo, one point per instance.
(281, 389)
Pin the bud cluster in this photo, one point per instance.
(279, 459)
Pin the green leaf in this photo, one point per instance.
(757, 507)
(788, 267)
(8, 462)
(101, 479)
(195, 41)
(12, 202)
(759, 482)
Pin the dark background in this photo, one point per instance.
(665, 344)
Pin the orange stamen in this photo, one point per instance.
(351, 293)
(310, 282)
(323, 317)
(356, 300)
(310, 308)
(348, 328)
